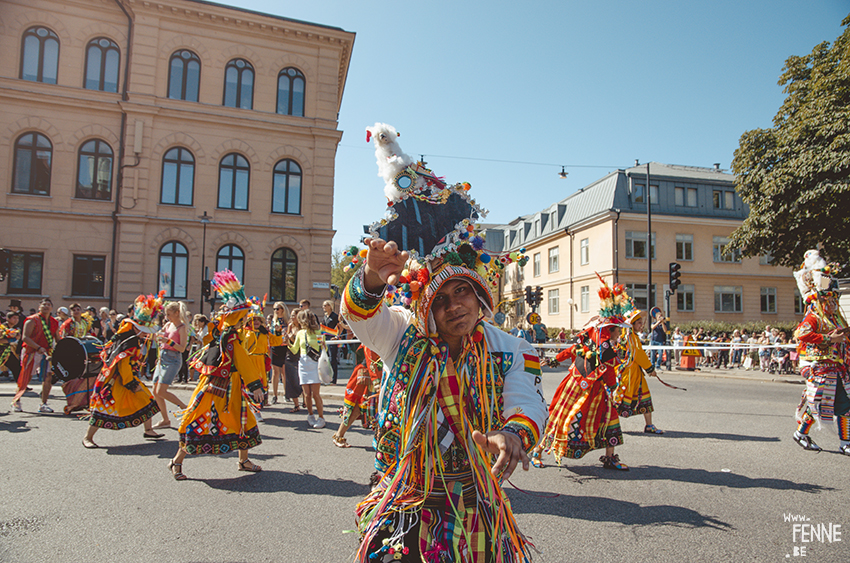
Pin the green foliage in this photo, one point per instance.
(339, 277)
(795, 176)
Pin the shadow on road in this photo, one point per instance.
(700, 476)
(283, 481)
(601, 509)
(13, 425)
(714, 435)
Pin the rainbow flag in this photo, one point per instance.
(330, 331)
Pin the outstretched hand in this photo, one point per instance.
(384, 263)
(508, 448)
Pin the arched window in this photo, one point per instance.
(290, 92)
(184, 76)
(33, 157)
(40, 55)
(94, 174)
(231, 257)
(102, 63)
(233, 178)
(239, 84)
(284, 278)
(178, 177)
(286, 188)
(173, 269)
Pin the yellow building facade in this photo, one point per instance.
(145, 144)
(602, 229)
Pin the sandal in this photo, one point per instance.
(651, 429)
(340, 442)
(248, 465)
(295, 409)
(89, 445)
(535, 460)
(613, 462)
(178, 475)
(152, 436)
(806, 443)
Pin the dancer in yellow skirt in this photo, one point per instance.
(120, 400)
(258, 342)
(219, 419)
(632, 394)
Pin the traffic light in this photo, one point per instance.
(5, 263)
(529, 296)
(674, 276)
(538, 295)
(206, 289)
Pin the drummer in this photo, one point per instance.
(38, 341)
(76, 325)
(120, 400)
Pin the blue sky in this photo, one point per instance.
(589, 85)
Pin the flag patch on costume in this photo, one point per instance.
(532, 364)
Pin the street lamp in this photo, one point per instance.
(204, 220)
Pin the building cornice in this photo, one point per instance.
(249, 22)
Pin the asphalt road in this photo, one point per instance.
(717, 486)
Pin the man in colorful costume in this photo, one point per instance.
(39, 338)
(219, 419)
(582, 416)
(822, 348)
(632, 394)
(359, 402)
(120, 399)
(461, 402)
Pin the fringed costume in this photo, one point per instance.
(823, 362)
(218, 419)
(120, 399)
(632, 393)
(437, 496)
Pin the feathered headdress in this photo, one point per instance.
(227, 285)
(146, 309)
(614, 304)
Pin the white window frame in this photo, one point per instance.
(536, 265)
(686, 299)
(553, 301)
(585, 251)
(721, 255)
(685, 243)
(584, 291)
(737, 293)
(554, 259)
(638, 236)
(768, 300)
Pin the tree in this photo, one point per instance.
(795, 176)
(339, 277)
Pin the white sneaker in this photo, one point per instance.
(44, 408)
(16, 406)
(320, 423)
(311, 419)
(258, 416)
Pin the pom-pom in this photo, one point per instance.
(362, 253)
(453, 258)
(477, 242)
(485, 258)
(414, 286)
(423, 277)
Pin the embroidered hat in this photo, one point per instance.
(435, 223)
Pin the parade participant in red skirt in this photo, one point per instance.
(38, 342)
(582, 416)
(360, 395)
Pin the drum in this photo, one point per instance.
(92, 345)
(69, 359)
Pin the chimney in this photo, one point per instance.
(717, 167)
